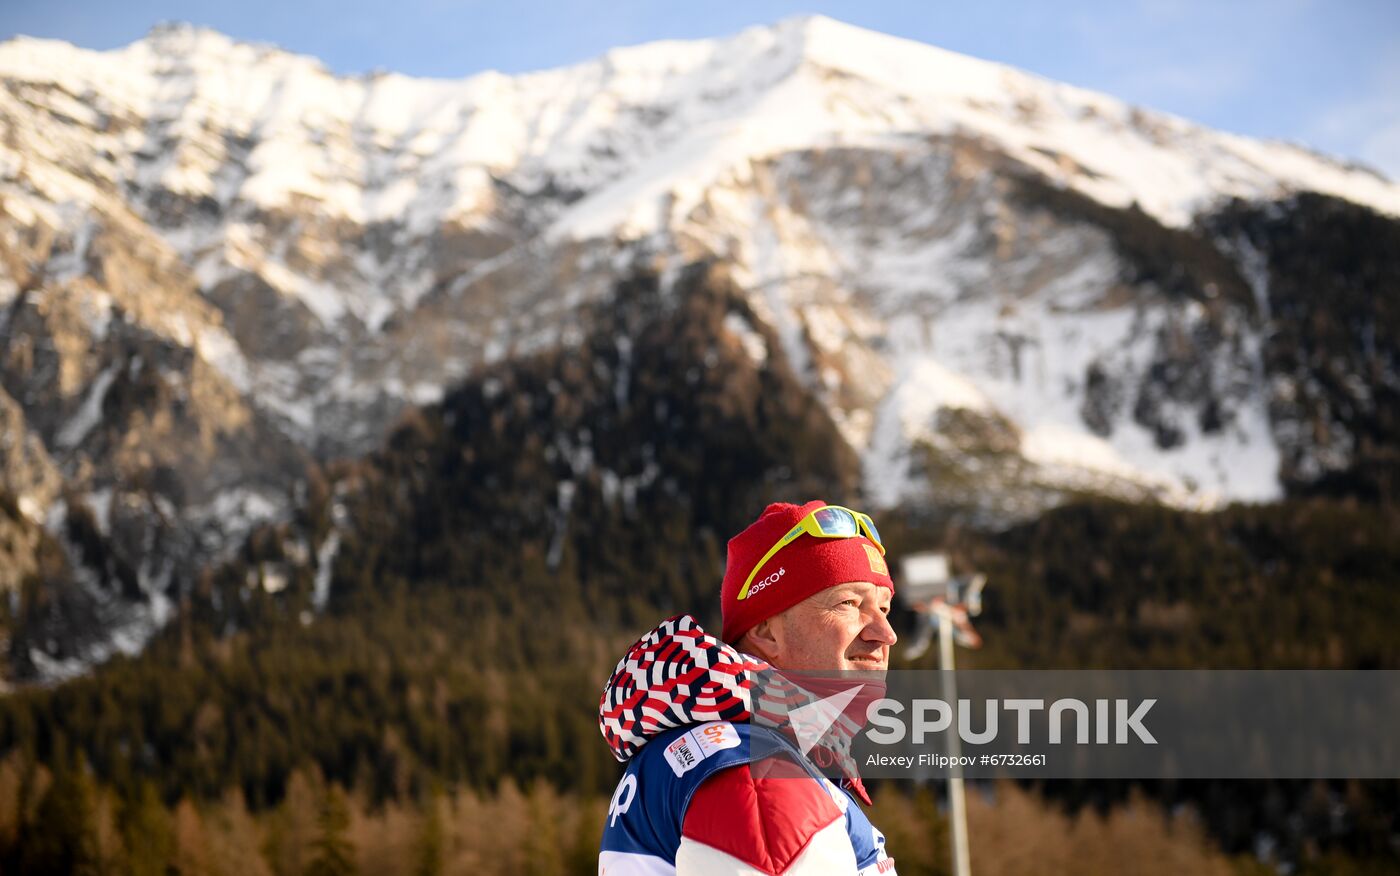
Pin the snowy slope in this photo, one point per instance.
(640, 121)
(837, 84)
(219, 259)
(367, 240)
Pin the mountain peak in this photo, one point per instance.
(674, 113)
(243, 257)
(186, 37)
(174, 28)
(810, 27)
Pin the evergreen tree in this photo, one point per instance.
(63, 838)
(148, 834)
(332, 852)
(428, 850)
(292, 827)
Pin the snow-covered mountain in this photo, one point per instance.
(221, 261)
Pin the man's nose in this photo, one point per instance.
(879, 630)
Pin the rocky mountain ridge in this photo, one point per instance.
(223, 264)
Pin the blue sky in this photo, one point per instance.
(1319, 73)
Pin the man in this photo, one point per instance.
(805, 588)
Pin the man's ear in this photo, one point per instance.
(762, 640)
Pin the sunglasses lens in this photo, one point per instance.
(870, 526)
(836, 521)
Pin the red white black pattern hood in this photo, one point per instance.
(678, 675)
(674, 676)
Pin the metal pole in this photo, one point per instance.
(956, 803)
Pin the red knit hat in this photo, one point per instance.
(805, 566)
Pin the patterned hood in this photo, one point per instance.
(678, 675)
(674, 676)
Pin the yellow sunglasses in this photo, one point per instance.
(828, 521)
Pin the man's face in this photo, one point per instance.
(842, 627)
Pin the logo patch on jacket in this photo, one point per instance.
(685, 752)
